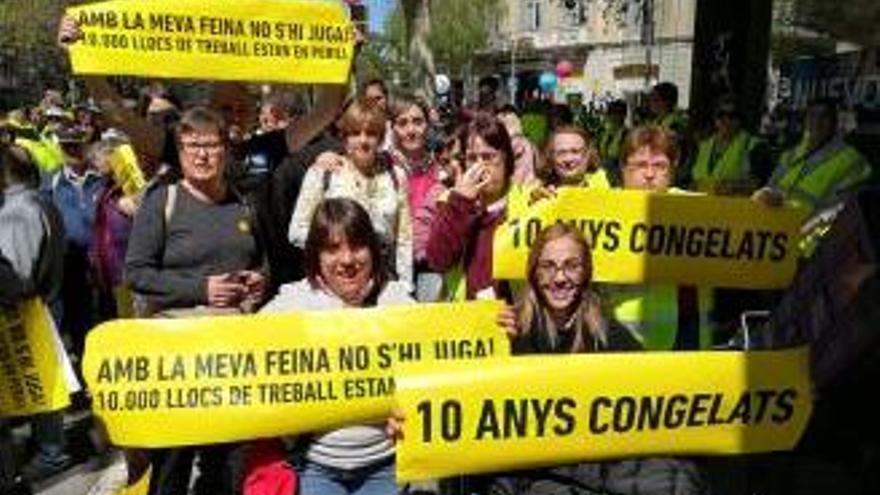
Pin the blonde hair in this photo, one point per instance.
(362, 116)
(532, 316)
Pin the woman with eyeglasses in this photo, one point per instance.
(460, 237)
(194, 250)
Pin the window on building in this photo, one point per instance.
(531, 15)
(572, 12)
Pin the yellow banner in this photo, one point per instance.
(241, 40)
(35, 375)
(162, 383)
(528, 412)
(639, 237)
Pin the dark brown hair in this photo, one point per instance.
(492, 131)
(654, 138)
(532, 315)
(349, 218)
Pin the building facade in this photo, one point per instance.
(617, 47)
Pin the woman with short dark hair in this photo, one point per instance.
(345, 269)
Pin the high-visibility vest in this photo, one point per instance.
(45, 155)
(730, 164)
(676, 120)
(813, 179)
(650, 311)
(610, 143)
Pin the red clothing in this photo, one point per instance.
(420, 182)
(463, 232)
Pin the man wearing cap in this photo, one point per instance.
(74, 190)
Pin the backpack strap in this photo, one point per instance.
(170, 204)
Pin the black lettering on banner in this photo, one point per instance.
(240, 395)
(746, 246)
(357, 388)
(296, 392)
(716, 407)
(764, 237)
(98, 19)
(595, 231)
(637, 238)
(398, 352)
(354, 358)
(764, 398)
(713, 242)
(676, 411)
(533, 228)
(450, 420)
(488, 423)
(542, 410)
(142, 400)
(464, 349)
(107, 401)
(513, 225)
(612, 236)
(289, 31)
(599, 402)
(133, 22)
(741, 412)
(176, 370)
(785, 405)
(650, 412)
(698, 410)
(780, 243)
(196, 397)
(695, 242)
(296, 361)
(516, 414)
(624, 414)
(225, 365)
(678, 241)
(170, 23)
(128, 369)
(260, 29)
(562, 411)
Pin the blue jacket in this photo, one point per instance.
(76, 197)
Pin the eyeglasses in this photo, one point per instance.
(660, 167)
(403, 122)
(485, 157)
(562, 152)
(571, 269)
(211, 148)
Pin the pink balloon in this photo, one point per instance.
(564, 69)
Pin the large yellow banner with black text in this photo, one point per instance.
(528, 412)
(292, 41)
(35, 373)
(162, 383)
(640, 237)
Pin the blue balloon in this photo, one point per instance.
(547, 82)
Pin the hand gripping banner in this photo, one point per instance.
(528, 412)
(163, 383)
(290, 41)
(640, 237)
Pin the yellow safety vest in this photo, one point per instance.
(676, 120)
(731, 164)
(814, 179)
(650, 311)
(610, 143)
(44, 153)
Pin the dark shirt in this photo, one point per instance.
(170, 263)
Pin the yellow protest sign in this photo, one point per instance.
(640, 237)
(34, 376)
(240, 40)
(528, 412)
(161, 383)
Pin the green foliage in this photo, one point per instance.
(458, 29)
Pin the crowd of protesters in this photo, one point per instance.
(167, 210)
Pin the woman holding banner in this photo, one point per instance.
(346, 267)
(560, 313)
(570, 159)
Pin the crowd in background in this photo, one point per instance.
(164, 209)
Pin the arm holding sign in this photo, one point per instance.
(147, 139)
